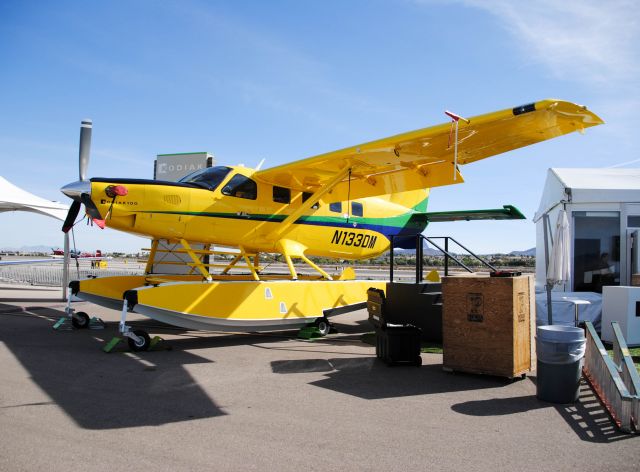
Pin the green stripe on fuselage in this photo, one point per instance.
(398, 221)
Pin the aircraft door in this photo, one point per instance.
(631, 220)
(633, 254)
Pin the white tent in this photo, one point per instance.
(603, 207)
(603, 210)
(13, 198)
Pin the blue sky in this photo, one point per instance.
(284, 80)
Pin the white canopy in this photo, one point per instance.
(600, 185)
(13, 198)
(589, 191)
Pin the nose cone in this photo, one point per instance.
(75, 189)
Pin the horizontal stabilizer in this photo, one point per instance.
(406, 238)
(507, 212)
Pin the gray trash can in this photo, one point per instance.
(560, 352)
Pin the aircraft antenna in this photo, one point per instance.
(259, 166)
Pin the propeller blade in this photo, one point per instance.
(74, 209)
(92, 209)
(85, 147)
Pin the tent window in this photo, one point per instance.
(633, 221)
(596, 250)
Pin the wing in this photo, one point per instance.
(425, 158)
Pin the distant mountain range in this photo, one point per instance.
(28, 249)
(528, 252)
(429, 251)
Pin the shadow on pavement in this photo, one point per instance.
(98, 390)
(370, 379)
(184, 339)
(357, 327)
(499, 406)
(586, 417)
(589, 419)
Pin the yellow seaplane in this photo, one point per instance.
(346, 204)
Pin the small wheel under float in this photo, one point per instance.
(142, 343)
(80, 320)
(323, 326)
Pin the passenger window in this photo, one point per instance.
(241, 187)
(281, 195)
(306, 196)
(356, 209)
(336, 207)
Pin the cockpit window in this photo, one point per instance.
(208, 178)
(242, 187)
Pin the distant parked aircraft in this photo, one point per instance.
(58, 253)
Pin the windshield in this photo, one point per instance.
(208, 178)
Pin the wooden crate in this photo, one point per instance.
(489, 324)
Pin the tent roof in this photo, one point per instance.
(599, 185)
(599, 179)
(13, 198)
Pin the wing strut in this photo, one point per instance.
(454, 121)
(293, 217)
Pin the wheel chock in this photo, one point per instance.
(111, 344)
(63, 324)
(116, 340)
(309, 333)
(96, 323)
(60, 322)
(154, 342)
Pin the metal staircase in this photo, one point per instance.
(446, 251)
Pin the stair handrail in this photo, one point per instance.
(607, 383)
(420, 254)
(445, 251)
(448, 255)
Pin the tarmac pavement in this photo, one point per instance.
(215, 401)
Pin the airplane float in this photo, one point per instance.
(346, 204)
